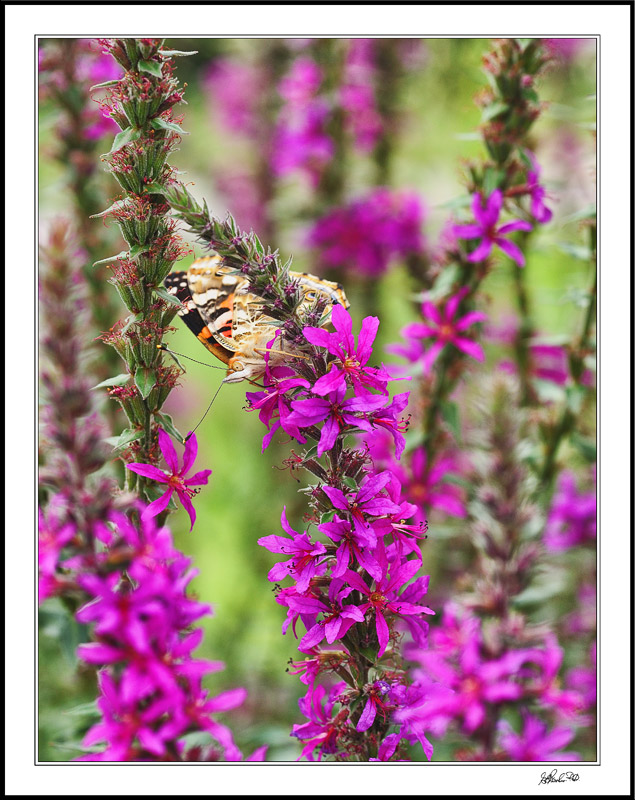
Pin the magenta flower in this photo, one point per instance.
(537, 193)
(366, 501)
(351, 360)
(384, 598)
(388, 419)
(306, 556)
(175, 479)
(572, 517)
(321, 731)
(427, 486)
(337, 619)
(337, 412)
(53, 535)
(486, 228)
(535, 743)
(272, 403)
(357, 94)
(377, 702)
(351, 545)
(442, 326)
(466, 686)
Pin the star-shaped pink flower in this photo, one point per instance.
(175, 479)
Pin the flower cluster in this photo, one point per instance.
(150, 683)
(242, 100)
(572, 516)
(370, 233)
(357, 93)
(301, 141)
(352, 576)
(470, 678)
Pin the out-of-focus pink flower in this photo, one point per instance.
(572, 517)
(370, 233)
(486, 213)
(441, 325)
(536, 742)
(236, 88)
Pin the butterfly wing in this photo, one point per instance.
(177, 284)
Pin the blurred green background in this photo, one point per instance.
(248, 490)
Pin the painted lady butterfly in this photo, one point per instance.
(229, 319)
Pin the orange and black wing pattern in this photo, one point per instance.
(178, 285)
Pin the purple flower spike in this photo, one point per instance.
(486, 229)
(175, 479)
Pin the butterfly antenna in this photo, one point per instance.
(173, 353)
(205, 414)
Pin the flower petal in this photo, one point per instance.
(199, 478)
(469, 319)
(148, 471)
(317, 336)
(329, 382)
(472, 349)
(157, 506)
(512, 250)
(516, 225)
(189, 456)
(187, 505)
(482, 251)
(169, 452)
(366, 338)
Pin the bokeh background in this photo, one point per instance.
(437, 132)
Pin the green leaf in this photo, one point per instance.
(575, 397)
(166, 422)
(350, 482)
(118, 204)
(123, 138)
(160, 124)
(450, 413)
(110, 258)
(154, 188)
(104, 85)
(124, 439)
(168, 53)
(151, 67)
(84, 710)
(494, 110)
(327, 516)
(144, 379)
(138, 250)
(492, 179)
(118, 380)
(589, 212)
(579, 251)
(165, 295)
(530, 94)
(586, 447)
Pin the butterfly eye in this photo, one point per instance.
(310, 295)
